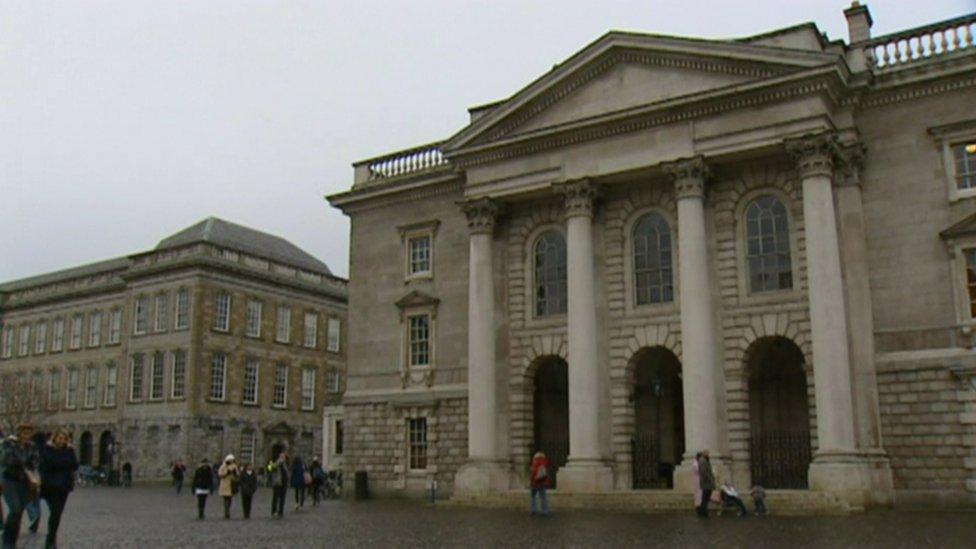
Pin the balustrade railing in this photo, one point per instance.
(400, 163)
(922, 43)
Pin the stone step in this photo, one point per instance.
(779, 502)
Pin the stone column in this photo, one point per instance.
(586, 470)
(485, 470)
(836, 466)
(701, 364)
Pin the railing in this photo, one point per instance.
(413, 160)
(922, 43)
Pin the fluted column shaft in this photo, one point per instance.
(828, 322)
(700, 364)
(482, 406)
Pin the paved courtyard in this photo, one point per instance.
(149, 517)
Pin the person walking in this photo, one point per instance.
(279, 485)
(299, 480)
(178, 472)
(228, 474)
(202, 485)
(127, 475)
(540, 482)
(58, 464)
(318, 479)
(216, 477)
(696, 482)
(19, 459)
(249, 485)
(707, 482)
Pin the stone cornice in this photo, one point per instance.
(482, 213)
(879, 98)
(393, 192)
(814, 154)
(689, 176)
(827, 80)
(579, 195)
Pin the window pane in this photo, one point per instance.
(550, 274)
(768, 245)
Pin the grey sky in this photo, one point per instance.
(123, 122)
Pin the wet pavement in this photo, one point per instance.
(156, 517)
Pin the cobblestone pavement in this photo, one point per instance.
(150, 517)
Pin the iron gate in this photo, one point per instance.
(556, 450)
(780, 459)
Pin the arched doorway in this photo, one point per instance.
(551, 412)
(779, 414)
(106, 450)
(85, 449)
(659, 426)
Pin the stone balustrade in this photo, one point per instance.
(415, 160)
(922, 43)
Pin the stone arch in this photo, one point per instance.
(652, 422)
(775, 324)
(522, 388)
(85, 449)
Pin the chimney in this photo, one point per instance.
(858, 22)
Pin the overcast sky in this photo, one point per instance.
(123, 122)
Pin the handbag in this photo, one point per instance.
(308, 479)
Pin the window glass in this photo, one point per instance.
(550, 274)
(652, 261)
(419, 250)
(768, 245)
(419, 340)
(417, 430)
(964, 164)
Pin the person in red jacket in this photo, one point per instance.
(539, 480)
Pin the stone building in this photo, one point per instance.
(764, 247)
(220, 339)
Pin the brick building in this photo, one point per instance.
(763, 246)
(220, 339)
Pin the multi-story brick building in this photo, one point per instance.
(763, 247)
(220, 339)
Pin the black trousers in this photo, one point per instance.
(278, 500)
(706, 496)
(201, 504)
(246, 504)
(227, 502)
(56, 500)
(300, 496)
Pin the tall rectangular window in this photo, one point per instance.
(71, 391)
(417, 433)
(24, 341)
(40, 337)
(162, 313)
(311, 330)
(57, 335)
(339, 434)
(182, 309)
(419, 340)
(964, 161)
(91, 386)
(334, 328)
(218, 376)
(135, 378)
(280, 386)
(419, 249)
(251, 370)
(252, 324)
(156, 376)
(36, 390)
(111, 382)
(332, 382)
(308, 389)
(95, 329)
(178, 383)
(283, 333)
(54, 389)
(76, 326)
(115, 326)
(221, 321)
(8, 342)
(141, 322)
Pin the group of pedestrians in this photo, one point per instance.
(32, 472)
(726, 496)
(229, 478)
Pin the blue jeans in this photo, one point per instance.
(542, 496)
(15, 494)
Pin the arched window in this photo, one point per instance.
(768, 245)
(550, 274)
(652, 260)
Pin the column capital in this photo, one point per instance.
(579, 196)
(482, 213)
(814, 154)
(850, 163)
(688, 175)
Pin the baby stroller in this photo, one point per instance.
(333, 484)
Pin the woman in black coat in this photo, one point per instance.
(248, 485)
(57, 468)
(202, 485)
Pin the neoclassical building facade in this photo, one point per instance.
(759, 247)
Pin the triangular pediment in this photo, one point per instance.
(416, 299)
(625, 71)
(965, 227)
